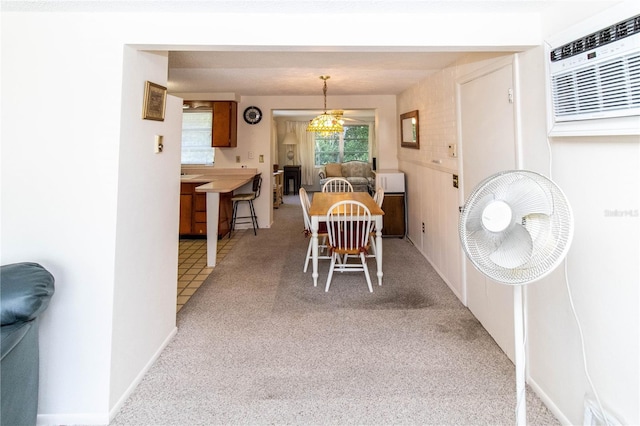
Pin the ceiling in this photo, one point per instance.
(287, 73)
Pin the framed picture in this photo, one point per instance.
(155, 98)
(410, 130)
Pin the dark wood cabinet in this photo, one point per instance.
(186, 211)
(226, 211)
(225, 124)
(393, 224)
(193, 212)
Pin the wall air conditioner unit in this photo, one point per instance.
(598, 75)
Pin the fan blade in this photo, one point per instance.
(515, 249)
(473, 221)
(526, 196)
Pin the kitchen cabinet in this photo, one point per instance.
(225, 213)
(193, 212)
(393, 220)
(225, 124)
(222, 116)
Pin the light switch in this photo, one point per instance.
(237, 158)
(158, 145)
(250, 155)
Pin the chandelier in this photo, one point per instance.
(325, 123)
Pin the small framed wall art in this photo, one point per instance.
(410, 130)
(155, 98)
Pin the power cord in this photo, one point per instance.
(584, 352)
(575, 314)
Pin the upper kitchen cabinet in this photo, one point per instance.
(222, 116)
(225, 124)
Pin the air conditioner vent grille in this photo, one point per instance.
(598, 88)
(607, 35)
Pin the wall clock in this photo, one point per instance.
(252, 115)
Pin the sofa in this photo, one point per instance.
(358, 173)
(25, 291)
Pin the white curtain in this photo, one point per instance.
(304, 152)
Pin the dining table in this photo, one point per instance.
(318, 211)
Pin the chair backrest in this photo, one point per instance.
(257, 184)
(337, 184)
(378, 197)
(349, 224)
(306, 205)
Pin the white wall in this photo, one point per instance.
(600, 175)
(60, 148)
(147, 227)
(69, 170)
(84, 194)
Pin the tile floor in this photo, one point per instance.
(192, 263)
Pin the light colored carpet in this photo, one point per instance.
(259, 345)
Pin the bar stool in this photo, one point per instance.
(248, 197)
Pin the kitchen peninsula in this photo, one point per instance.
(216, 182)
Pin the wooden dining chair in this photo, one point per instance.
(337, 184)
(349, 225)
(322, 230)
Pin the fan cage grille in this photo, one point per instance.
(551, 234)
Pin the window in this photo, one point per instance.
(352, 144)
(196, 137)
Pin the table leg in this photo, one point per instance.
(213, 208)
(379, 248)
(314, 248)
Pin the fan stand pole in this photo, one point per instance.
(518, 325)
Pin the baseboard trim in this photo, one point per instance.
(134, 384)
(442, 276)
(103, 418)
(72, 419)
(546, 400)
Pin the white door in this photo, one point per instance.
(488, 146)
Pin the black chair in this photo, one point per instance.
(248, 197)
(26, 290)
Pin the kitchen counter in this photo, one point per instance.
(213, 183)
(218, 175)
(225, 184)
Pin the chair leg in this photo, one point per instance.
(366, 271)
(306, 262)
(333, 264)
(254, 218)
(372, 244)
(233, 218)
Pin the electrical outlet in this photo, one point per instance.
(250, 155)
(453, 150)
(261, 158)
(455, 181)
(423, 227)
(237, 158)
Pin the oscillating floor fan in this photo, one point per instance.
(516, 227)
